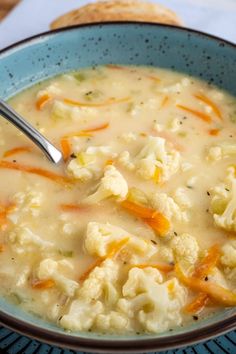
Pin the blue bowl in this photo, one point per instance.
(37, 58)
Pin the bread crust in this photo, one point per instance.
(118, 10)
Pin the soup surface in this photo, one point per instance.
(134, 232)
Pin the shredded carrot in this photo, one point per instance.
(159, 224)
(216, 292)
(210, 103)
(157, 175)
(4, 211)
(43, 284)
(214, 132)
(114, 248)
(164, 267)
(116, 67)
(203, 116)
(205, 266)
(73, 207)
(95, 129)
(65, 148)
(164, 101)
(154, 78)
(109, 162)
(16, 150)
(138, 210)
(97, 263)
(2, 247)
(41, 101)
(197, 304)
(202, 269)
(35, 170)
(154, 219)
(108, 102)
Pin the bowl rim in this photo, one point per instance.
(102, 345)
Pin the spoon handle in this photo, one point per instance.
(48, 149)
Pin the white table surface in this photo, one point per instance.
(30, 17)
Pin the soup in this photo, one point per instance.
(134, 232)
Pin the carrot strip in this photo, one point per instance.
(43, 284)
(210, 103)
(214, 132)
(160, 224)
(2, 247)
(197, 304)
(97, 263)
(73, 207)
(155, 220)
(138, 210)
(116, 67)
(109, 162)
(95, 129)
(160, 266)
(114, 248)
(108, 102)
(154, 78)
(203, 116)
(205, 266)
(41, 101)
(164, 101)
(16, 150)
(35, 170)
(4, 211)
(65, 148)
(216, 292)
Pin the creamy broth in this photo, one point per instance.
(115, 237)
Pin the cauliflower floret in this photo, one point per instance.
(28, 202)
(100, 236)
(52, 89)
(182, 199)
(81, 315)
(101, 283)
(168, 207)
(140, 280)
(228, 257)
(152, 156)
(221, 151)
(62, 110)
(24, 240)
(89, 163)
(155, 306)
(128, 137)
(125, 160)
(112, 322)
(165, 253)
(49, 268)
(185, 249)
(112, 184)
(223, 202)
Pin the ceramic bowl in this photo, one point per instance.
(37, 58)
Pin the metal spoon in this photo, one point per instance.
(53, 154)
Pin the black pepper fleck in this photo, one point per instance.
(175, 233)
(195, 318)
(153, 241)
(206, 278)
(208, 193)
(73, 156)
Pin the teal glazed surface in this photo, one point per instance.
(49, 54)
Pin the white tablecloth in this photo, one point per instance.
(30, 17)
